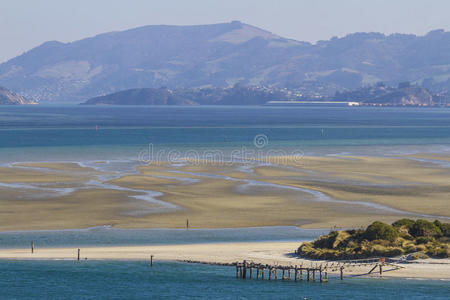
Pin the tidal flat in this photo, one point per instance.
(313, 192)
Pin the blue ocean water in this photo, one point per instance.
(136, 280)
(29, 133)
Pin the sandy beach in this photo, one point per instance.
(280, 253)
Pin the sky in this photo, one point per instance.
(25, 24)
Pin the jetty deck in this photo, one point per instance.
(314, 272)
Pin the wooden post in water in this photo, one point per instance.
(257, 272)
(320, 273)
(307, 274)
(282, 277)
(295, 273)
(314, 274)
(342, 273)
(244, 273)
(301, 274)
(237, 270)
(270, 273)
(187, 223)
(289, 273)
(381, 269)
(32, 246)
(251, 271)
(151, 260)
(78, 257)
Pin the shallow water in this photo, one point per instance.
(104, 236)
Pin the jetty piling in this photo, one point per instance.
(78, 256)
(151, 260)
(32, 247)
(245, 269)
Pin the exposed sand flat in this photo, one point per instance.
(431, 156)
(382, 170)
(237, 195)
(407, 185)
(213, 203)
(82, 209)
(258, 252)
(67, 167)
(18, 175)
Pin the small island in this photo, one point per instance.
(417, 239)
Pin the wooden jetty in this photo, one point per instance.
(313, 272)
(246, 270)
(251, 270)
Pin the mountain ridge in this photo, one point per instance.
(221, 55)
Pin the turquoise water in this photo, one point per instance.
(136, 280)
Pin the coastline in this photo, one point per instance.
(275, 253)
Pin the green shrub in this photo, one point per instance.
(418, 255)
(409, 248)
(444, 227)
(424, 239)
(424, 228)
(441, 252)
(380, 239)
(394, 252)
(326, 241)
(380, 231)
(333, 240)
(408, 223)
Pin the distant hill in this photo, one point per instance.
(404, 94)
(237, 95)
(222, 55)
(9, 98)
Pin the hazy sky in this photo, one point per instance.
(27, 23)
